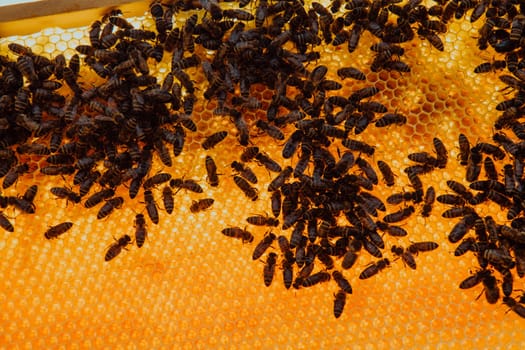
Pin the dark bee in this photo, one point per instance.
(211, 170)
(278, 181)
(374, 268)
(187, 184)
(466, 245)
(451, 199)
(441, 152)
(140, 230)
(151, 207)
(367, 169)
(244, 171)
(5, 223)
(268, 163)
(116, 248)
(339, 303)
(507, 284)
(201, 204)
(359, 146)
(287, 267)
(263, 245)
(350, 72)
(57, 230)
(98, 197)
(292, 144)
(474, 279)
(464, 149)
(30, 193)
(212, 140)
(156, 179)
(342, 282)
(418, 247)
(167, 199)
(405, 255)
(109, 206)
(271, 130)
(363, 93)
(269, 268)
(460, 229)
(490, 149)
(276, 203)
(460, 189)
(386, 171)
(120, 22)
(390, 119)
(424, 158)
(12, 176)
(491, 289)
(490, 169)
(316, 278)
(512, 234)
(261, 220)
(432, 38)
(392, 230)
(249, 153)
(246, 188)
(239, 233)
(63, 192)
(514, 306)
(397, 198)
(430, 197)
(490, 66)
(399, 215)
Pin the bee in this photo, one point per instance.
(244, 171)
(367, 169)
(487, 67)
(432, 38)
(156, 179)
(201, 204)
(514, 306)
(249, 153)
(211, 170)
(241, 15)
(507, 284)
(465, 245)
(271, 130)
(239, 233)
(30, 193)
(451, 199)
(261, 220)
(33, 148)
(120, 22)
(400, 215)
(212, 140)
(248, 190)
(386, 171)
(268, 163)
(418, 247)
(188, 184)
(490, 149)
(63, 192)
(392, 230)
(98, 197)
(5, 223)
(405, 255)
(276, 203)
(167, 199)
(287, 267)
(390, 119)
(490, 169)
(151, 207)
(12, 176)
(430, 197)
(116, 248)
(397, 198)
(140, 230)
(424, 158)
(474, 279)
(109, 206)
(350, 72)
(26, 66)
(57, 230)
(269, 268)
(316, 278)
(512, 234)
(339, 303)
(292, 144)
(20, 49)
(359, 146)
(459, 189)
(342, 282)
(363, 93)
(374, 268)
(263, 245)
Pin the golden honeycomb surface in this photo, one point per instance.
(190, 287)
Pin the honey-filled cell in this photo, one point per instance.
(217, 165)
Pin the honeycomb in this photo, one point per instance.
(191, 287)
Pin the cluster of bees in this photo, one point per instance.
(106, 136)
